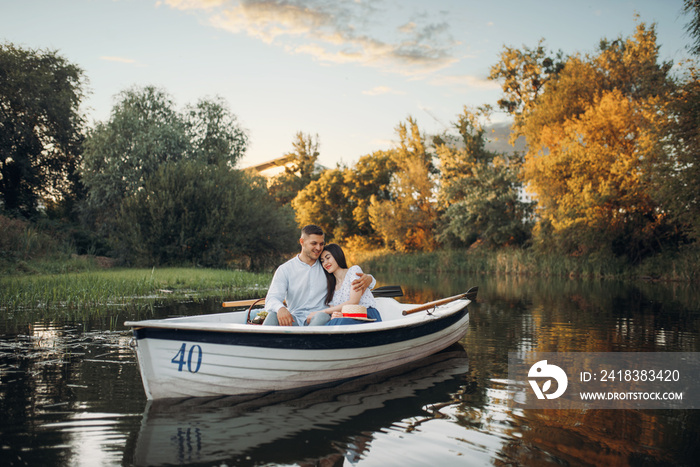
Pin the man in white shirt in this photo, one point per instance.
(302, 283)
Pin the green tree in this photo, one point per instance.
(40, 129)
(480, 194)
(144, 132)
(299, 172)
(677, 186)
(524, 74)
(209, 215)
(368, 181)
(339, 200)
(692, 7)
(214, 133)
(407, 221)
(324, 202)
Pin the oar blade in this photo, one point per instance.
(388, 291)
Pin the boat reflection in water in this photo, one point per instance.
(328, 423)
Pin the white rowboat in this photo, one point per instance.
(219, 354)
(224, 430)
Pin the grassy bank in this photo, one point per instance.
(682, 266)
(41, 272)
(95, 290)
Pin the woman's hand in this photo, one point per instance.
(337, 314)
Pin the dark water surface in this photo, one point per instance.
(71, 394)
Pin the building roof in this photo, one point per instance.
(279, 162)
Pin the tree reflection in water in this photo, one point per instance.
(71, 392)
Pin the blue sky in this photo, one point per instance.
(347, 70)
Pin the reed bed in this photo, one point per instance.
(97, 289)
(680, 266)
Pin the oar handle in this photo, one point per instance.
(252, 301)
(470, 294)
(430, 305)
(385, 291)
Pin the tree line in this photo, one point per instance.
(610, 166)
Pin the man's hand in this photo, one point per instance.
(284, 317)
(361, 284)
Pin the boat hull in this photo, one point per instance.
(197, 358)
(222, 429)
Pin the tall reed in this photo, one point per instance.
(101, 288)
(683, 266)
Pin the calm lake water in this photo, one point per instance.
(71, 393)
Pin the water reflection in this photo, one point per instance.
(66, 393)
(71, 393)
(515, 314)
(330, 423)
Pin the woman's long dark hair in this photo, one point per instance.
(339, 257)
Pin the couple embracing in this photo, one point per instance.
(316, 284)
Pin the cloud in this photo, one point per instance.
(336, 31)
(379, 90)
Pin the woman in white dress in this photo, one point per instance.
(340, 291)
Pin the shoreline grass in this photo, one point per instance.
(80, 285)
(683, 266)
(97, 289)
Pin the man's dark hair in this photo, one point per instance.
(311, 230)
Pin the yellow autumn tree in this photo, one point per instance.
(593, 182)
(323, 202)
(340, 199)
(300, 172)
(406, 221)
(593, 145)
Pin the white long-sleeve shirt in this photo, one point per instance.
(302, 286)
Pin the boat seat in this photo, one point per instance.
(389, 308)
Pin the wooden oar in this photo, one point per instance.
(469, 294)
(252, 301)
(385, 291)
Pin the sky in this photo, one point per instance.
(348, 71)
